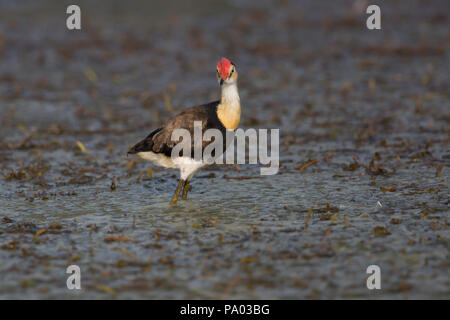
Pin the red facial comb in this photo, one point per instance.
(224, 67)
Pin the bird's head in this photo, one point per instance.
(226, 72)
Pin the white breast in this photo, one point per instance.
(186, 165)
(157, 158)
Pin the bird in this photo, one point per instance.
(223, 114)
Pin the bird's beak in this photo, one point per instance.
(220, 81)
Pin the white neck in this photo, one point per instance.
(229, 109)
(230, 95)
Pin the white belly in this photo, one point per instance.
(186, 165)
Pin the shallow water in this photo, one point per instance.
(372, 107)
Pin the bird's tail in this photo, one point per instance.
(144, 145)
(141, 146)
(133, 150)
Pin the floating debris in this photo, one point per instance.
(352, 166)
(394, 220)
(6, 219)
(118, 239)
(313, 162)
(167, 102)
(39, 233)
(423, 214)
(389, 189)
(308, 216)
(81, 146)
(380, 231)
(106, 289)
(90, 75)
(113, 184)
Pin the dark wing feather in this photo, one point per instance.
(159, 141)
(145, 145)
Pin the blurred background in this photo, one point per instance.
(364, 150)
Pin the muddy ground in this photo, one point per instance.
(364, 150)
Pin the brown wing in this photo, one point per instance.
(159, 141)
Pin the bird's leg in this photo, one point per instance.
(177, 192)
(186, 189)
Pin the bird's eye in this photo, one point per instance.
(232, 70)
